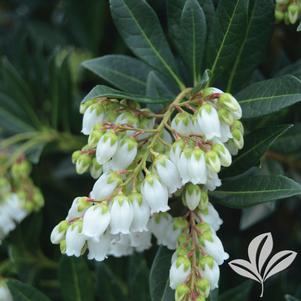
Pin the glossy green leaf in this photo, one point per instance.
(123, 72)
(269, 96)
(251, 190)
(291, 69)
(238, 293)
(159, 276)
(174, 12)
(252, 49)
(104, 91)
(256, 144)
(289, 142)
(193, 37)
(226, 37)
(25, 292)
(140, 28)
(75, 280)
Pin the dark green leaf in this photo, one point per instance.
(291, 69)
(290, 298)
(299, 27)
(75, 280)
(254, 44)
(123, 72)
(156, 86)
(251, 190)
(193, 38)
(226, 37)
(204, 81)
(290, 142)
(104, 91)
(159, 276)
(256, 144)
(214, 295)
(238, 293)
(109, 285)
(25, 292)
(138, 275)
(269, 96)
(174, 12)
(141, 30)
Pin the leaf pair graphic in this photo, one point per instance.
(260, 267)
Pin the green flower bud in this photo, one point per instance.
(213, 161)
(203, 285)
(183, 260)
(200, 298)
(63, 226)
(206, 260)
(83, 204)
(279, 15)
(83, 163)
(181, 291)
(63, 246)
(225, 116)
(75, 156)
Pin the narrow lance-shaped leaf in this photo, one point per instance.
(248, 191)
(193, 27)
(140, 28)
(75, 280)
(159, 277)
(226, 37)
(254, 44)
(269, 96)
(123, 72)
(238, 293)
(104, 91)
(24, 292)
(256, 144)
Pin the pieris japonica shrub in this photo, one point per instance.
(139, 172)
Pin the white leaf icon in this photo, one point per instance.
(279, 262)
(260, 249)
(245, 269)
(259, 268)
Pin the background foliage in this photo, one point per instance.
(42, 45)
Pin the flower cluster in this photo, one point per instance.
(288, 11)
(144, 162)
(18, 195)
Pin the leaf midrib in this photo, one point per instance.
(258, 191)
(157, 53)
(224, 38)
(134, 79)
(249, 100)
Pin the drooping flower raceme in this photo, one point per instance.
(18, 195)
(141, 161)
(288, 11)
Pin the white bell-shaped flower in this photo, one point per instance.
(58, 233)
(141, 212)
(75, 240)
(213, 180)
(96, 220)
(184, 164)
(158, 224)
(99, 248)
(228, 101)
(233, 149)
(92, 116)
(73, 211)
(155, 194)
(141, 241)
(211, 217)
(192, 196)
(179, 271)
(106, 147)
(125, 154)
(209, 121)
(121, 215)
(211, 272)
(195, 126)
(176, 151)
(214, 247)
(95, 169)
(105, 186)
(5, 294)
(121, 245)
(197, 167)
(225, 132)
(168, 173)
(223, 153)
(182, 123)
